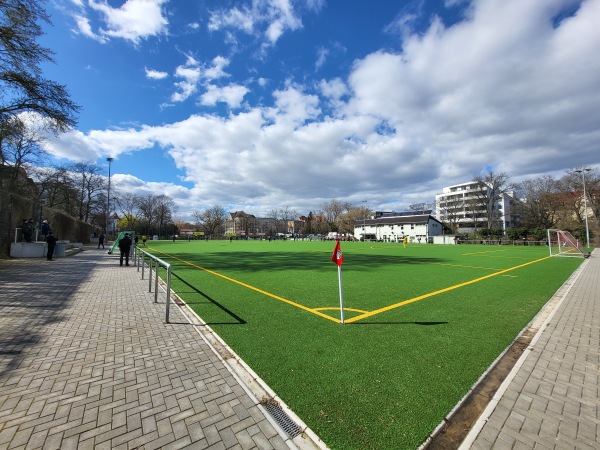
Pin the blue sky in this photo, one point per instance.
(256, 105)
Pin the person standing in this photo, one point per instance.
(144, 238)
(125, 248)
(45, 229)
(25, 231)
(30, 230)
(405, 241)
(101, 240)
(51, 241)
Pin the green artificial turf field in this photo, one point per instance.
(421, 324)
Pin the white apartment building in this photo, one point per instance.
(469, 206)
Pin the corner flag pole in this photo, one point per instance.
(341, 295)
(338, 258)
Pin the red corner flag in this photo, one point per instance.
(337, 256)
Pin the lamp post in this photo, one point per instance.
(585, 211)
(108, 198)
(364, 220)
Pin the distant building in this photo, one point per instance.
(241, 224)
(392, 227)
(466, 207)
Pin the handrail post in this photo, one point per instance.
(150, 275)
(167, 266)
(168, 292)
(156, 283)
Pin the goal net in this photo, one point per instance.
(562, 243)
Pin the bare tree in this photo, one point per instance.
(490, 192)
(21, 81)
(333, 209)
(89, 184)
(19, 146)
(165, 209)
(211, 220)
(542, 202)
(353, 217)
(574, 182)
(452, 211)
(129, 209)
(147, 208)
(56, 187)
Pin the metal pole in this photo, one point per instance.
(341, 295)
(585, 209)
(364, 220)
(156, 283)
(108, 199)
(587, 229)
(150, 274)
(168, 292)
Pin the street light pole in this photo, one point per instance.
(585, 210)
(364, 220)
(108, 198)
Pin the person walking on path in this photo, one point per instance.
(51, 241)
(125, 248)
(101, 240)
(144, 238)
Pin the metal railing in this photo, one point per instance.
(139, 259)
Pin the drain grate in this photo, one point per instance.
(282, 419)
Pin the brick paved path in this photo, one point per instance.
(553, 398)
(86, 361)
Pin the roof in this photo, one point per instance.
(398, 220)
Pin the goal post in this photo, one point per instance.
(563, 243)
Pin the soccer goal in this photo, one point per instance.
(562, 243)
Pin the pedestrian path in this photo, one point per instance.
(551, 399)
(87, 361)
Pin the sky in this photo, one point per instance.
(257, 105)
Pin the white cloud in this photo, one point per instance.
(75, 146)
(322, 53)
(155, 74)
(270, 18)
(133, 21)
(216, 70)
(232, 95)
(84, 28)
(190, 72)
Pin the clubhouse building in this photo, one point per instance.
(419, 227)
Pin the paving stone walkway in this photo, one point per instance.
(551, 400)
(87, 361)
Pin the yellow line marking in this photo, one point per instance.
(337, 308)
(481, 253)
(441, 291)
(268, 294)
(460, 265)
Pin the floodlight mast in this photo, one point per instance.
(110, 160)
(585, 208)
